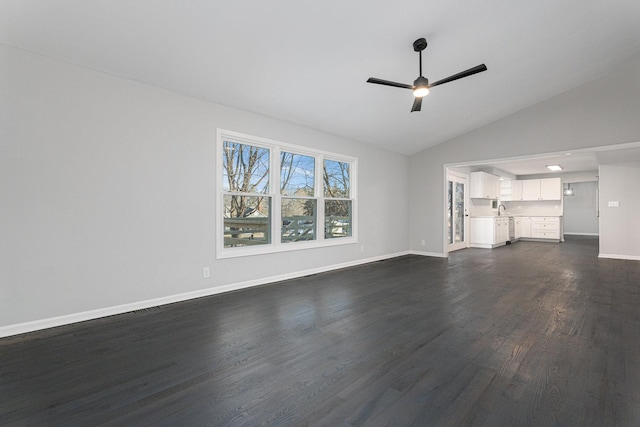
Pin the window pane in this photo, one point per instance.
(459, 213)
(296, 174)
(337, 218)
(246, 220)
(245, 168)
(450, 211)
(298, 220)
(336, 179)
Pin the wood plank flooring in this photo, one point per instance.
(532, 334)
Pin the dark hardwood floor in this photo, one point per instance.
(528, 334)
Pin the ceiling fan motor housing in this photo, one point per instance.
(421, 82)
(420, 44)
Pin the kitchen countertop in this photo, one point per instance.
(511, 216)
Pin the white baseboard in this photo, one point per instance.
(581, 234)
(36, 325)
(433, 254)
(616, 256)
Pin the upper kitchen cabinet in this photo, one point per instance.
(484, 186)
(510, 190)
(551, 189)
(542, 189)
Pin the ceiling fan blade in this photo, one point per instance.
(388, 83)
(471, 71)
(417, 103)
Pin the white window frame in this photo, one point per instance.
(276, 245)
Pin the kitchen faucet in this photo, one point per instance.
(501, 206)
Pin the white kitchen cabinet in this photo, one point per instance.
(510, 190)
(542, 189)
(525, 226)
(501, 230)
(488, 232)
(484, 186)
(516, 190)
(517, 227)
(531, 189)
(551, 189)
(545, 227)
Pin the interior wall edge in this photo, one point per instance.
(36, 325)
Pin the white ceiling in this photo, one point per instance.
(307, 62)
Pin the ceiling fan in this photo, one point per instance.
(421, 85)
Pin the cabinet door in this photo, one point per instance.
(517, 228)
(475, 185)
(493, 182)
(482, 231)
(531, 189)
(525, 226)
(516, 190)
(501, 234)
(484, 186)
(550, 189)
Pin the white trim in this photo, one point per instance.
(581, 234)
(432, 254)
(615, 256)
(21, 328)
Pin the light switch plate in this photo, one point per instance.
(614, 204)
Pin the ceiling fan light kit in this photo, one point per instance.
(421, 85)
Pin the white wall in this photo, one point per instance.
(580, 210)
(108, 193)
(602, 112)
(620, 226)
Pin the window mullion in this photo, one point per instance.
(276, 225)
(319, 192)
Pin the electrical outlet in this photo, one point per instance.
(423, 243)
(206, 272)
(361, 248)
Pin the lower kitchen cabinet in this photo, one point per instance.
(517, 227)
(491, 232)
(525, 226)
(545, 227)
(488, 232)
(541, 227)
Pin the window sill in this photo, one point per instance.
(282, 247)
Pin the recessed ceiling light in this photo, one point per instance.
(554, 168)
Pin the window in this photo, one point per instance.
(246, 201)
(278, 197)
(298, 204)
(337, 205)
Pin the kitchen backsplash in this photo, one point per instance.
(541, 208)
(482, 207)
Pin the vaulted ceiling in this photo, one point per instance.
(308, 62)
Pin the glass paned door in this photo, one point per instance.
(457, 212)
